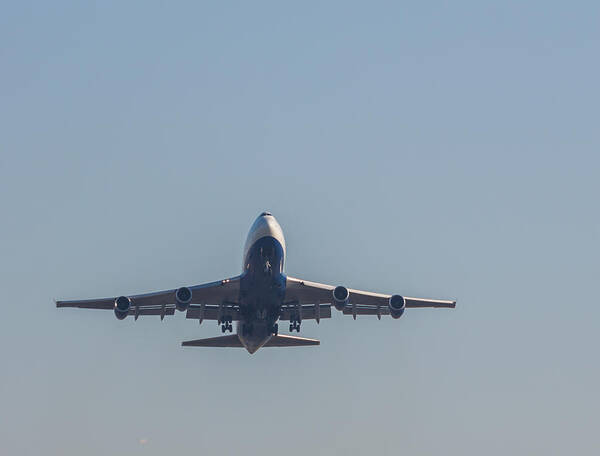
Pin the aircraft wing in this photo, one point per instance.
(212, 300)
(302, 292)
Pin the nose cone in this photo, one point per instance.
(265, 223)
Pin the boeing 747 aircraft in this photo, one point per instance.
(258, 298)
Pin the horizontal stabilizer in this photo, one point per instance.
(290, 341)
(234, 341)
(221, 341)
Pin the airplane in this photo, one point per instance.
(258, 298)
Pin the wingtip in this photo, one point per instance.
(60, 303)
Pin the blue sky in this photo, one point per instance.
(444, 150)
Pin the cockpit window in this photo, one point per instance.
(265, 213)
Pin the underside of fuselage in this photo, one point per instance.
(262, 285)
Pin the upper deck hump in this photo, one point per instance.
(264, 226)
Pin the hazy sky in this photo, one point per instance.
(440, 149)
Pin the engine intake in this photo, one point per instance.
(183, 298)
(122, 306)
(397, 305)
(341, 295)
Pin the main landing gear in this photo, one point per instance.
(295, 325)
(226, 324)
(275, 329)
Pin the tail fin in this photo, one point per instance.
(221, 341)
(290, 341)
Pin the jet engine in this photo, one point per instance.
(122, 306)
(183, 297)
(396, 305)
(341, 295)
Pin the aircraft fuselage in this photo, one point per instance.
(262, 286)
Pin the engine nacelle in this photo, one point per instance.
(183, 297)
(341, 295)
(122, 306)
(397, 305)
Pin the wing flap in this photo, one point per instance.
(308, 312)
(212, 312)
(169, 310)
(367, 311)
